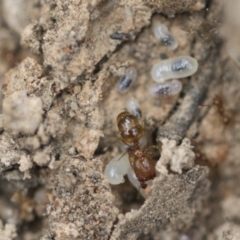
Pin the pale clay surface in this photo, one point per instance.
(22, 114)
(58, 122)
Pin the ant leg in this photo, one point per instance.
(208, 105)
(122, 156)
(205, 105)
(152, 147)
(124, 141)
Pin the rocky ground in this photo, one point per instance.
(59, 64)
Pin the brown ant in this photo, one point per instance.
(219, 103)
(131, 131)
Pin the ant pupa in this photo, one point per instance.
(133, 107)
(168, 88)
(140, 160)
(125, 82)
(162, 33)
(178, 67)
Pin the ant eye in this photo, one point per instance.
(168, 88)
(126, 81)
(163, 35)
(134, 108)
(178, 67)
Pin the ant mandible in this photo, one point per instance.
(131, 131)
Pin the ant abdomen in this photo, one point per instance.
(144, 167)
(129, 127)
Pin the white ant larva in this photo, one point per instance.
(116, 169)
(162, 33)
(134, 181)
(133, 178)
(125, 82)
(165, 89)
(178, 67)
(113, 173)
(134, 108)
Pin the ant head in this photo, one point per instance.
(129, 127)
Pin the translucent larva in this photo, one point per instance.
(116, 169)
(124, 163)
(113, 173)
(178, 67)
(134, 181)
(168, 88)
(134, 108)
(162, 33)
(133, 178)
(126, 81)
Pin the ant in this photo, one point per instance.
(219, 103)
(131, 131)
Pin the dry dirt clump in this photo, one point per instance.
(82, 206)
(59, 64)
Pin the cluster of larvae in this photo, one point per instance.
(136, 162)
(166, 72)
